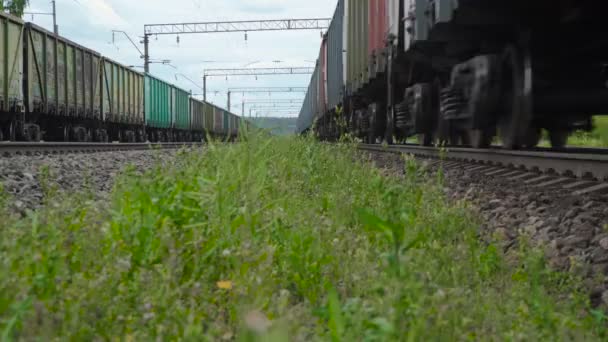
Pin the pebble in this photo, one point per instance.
(604, 243)
(566, 227)
(21, 176)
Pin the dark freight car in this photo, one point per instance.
(335, 55)
(465, 72)
(62, 85)
(197, 118)
(11, 83)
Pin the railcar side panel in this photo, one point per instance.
(181, 108)
(158, 103)
(122, 90)
(11, 63)
(335, 52)
(62, 75)
(197, 109)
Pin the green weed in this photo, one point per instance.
(275, 239)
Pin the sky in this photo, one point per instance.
(90, 23)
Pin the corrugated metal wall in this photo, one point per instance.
(121, 91)
(335, 55)
(197, 114)
(67, 85)
(158, 103)
(309, 107)
(11, 59)
(181, 108)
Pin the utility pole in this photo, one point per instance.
(55, 27)
(146, 53)
(205, 88)
(52, 14)
(231, 26)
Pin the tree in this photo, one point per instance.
(14, 7)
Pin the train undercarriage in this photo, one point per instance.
(489, 74)
(28, 128)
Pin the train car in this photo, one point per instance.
(197, 119)
(12, 119)
(464, 72)
(218, 121)
(167, 110)
(180, 100)
(62, 93)
(209, 120)
(122, 93)
(306, 118)
(54, 89)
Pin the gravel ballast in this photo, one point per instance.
(571, 229)
(25, 178)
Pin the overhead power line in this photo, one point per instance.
(257, 90)
(229, 26)
(237, 26)
(258, 71)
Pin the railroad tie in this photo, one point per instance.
(599, 188)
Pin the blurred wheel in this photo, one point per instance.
(558, 137)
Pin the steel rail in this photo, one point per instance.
(592, 165)
(8, 149)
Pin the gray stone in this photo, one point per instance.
(570, 214)
(589, 205)
(575, 241)
(605, 297)
(599, 255)
(604, 243)
(585, 217)
(495, 203)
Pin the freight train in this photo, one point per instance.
(460, 72)
(54, 89)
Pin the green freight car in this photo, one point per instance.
(11, 84)
(62, 90)
(122, 90)
(180, 100)
(167, 110)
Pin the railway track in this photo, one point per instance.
(8, 149)
(584, 171)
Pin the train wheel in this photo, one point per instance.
(558, 137)
(425, 139)
(1, 134)
(515, 122)
(481, 138)
(531, 137)
(12, 131)
(66, 133)
(390, 128)
(32, 133)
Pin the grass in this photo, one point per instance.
(596, 138)
(275, 239)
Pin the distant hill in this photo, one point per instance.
(278, 126)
